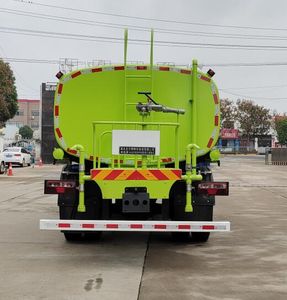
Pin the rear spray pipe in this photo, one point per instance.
(191, 163)
(82, 177)
(190, 174)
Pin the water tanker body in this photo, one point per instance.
(139, 140)
(110, 93)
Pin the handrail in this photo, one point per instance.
(133, 158)
(135, 123)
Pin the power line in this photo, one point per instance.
(31, 60)
(56, 61)
(253, 97)
(255, 87)
(141, 28)
(140, 41)
(246, 64)
(150, 19)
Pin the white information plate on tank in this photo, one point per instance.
(136, 142)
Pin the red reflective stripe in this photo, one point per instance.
(208, 227)
(56, 110)
(177, 173)
(114, 174)
(159, 226)
(59, 132)
(210, 142)
(76, 74)
(97, 70)
(134, 226)
(216, 120)
(119, 68)
(88, 226)
(60, 88)
(184, 227)
(64, 225)
(205, 78)
(112, 225)
(215, 98)
(159, 175)
(164, 68)
(136, 176)
(94, 173)
(141, 67)
(185, 71)
(72, 151)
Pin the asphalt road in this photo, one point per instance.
(250, 262)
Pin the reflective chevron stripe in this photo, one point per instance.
(132, 174)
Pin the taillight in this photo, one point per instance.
(213, 188)
(59, 186)
(17, 155)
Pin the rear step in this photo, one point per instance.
(160, 226)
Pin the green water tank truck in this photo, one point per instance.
(139, 140)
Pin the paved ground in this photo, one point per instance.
(248, 263)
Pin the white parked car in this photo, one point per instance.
(2, 163)
(17, 156)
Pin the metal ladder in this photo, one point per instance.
(135, 77)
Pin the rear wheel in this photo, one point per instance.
(68, 204)
(82, 236)
(23, 163)
(202, 211)
(199, 237)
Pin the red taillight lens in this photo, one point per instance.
(59, 186)
(17, 155)
(213, 188)
(60, 189)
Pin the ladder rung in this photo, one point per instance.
(138, 76)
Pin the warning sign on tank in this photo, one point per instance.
(137, 150)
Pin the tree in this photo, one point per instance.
(8, 94)
(228, 115)
(26, 132)
(254, 119)
(281, 129)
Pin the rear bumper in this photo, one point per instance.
(15, 161)
(144, 226)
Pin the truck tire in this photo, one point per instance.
(68, 207)
(202, 211)
(82, 236)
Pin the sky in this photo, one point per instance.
(244, 42)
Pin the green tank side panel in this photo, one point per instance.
(98, 94)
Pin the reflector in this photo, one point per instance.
(59, 186)
(59, 74)
(213, 188)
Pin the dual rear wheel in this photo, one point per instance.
(68, 204)
(202, 211)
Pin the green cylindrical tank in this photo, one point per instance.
(110, 93)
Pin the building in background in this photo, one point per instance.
(28, 114)
(229, 140)
(48, 141)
